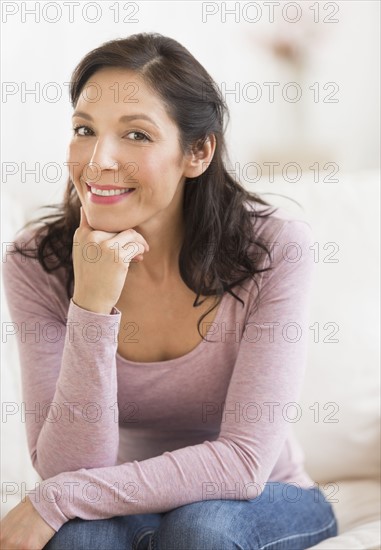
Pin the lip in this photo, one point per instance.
(98, 199)
(107, 187)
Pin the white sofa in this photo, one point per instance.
(339, 426)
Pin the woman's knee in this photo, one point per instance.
(271, 519)
(78, 534)
(197, 526)
(69, 535)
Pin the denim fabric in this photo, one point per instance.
(283, 517)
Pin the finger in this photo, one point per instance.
(138, 258)
(137, 240)
(132, 250)
(127, 237)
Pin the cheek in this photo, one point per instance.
(77, 160)
(160, 173)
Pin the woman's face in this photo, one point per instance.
(123, 138)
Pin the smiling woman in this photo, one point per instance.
(152, 221)
(110, 150)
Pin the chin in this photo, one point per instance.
(108, 225)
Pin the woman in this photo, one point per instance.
(173, 309)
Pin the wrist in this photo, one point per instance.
(94, 308)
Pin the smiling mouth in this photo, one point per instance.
(109, 192)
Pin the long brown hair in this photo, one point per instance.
(215, 255)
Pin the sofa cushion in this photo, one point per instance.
(340, 418)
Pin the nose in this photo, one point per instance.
(104, 158)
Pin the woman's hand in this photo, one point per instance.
(100, 269)
(23, 528)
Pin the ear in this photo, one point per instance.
(200, 157)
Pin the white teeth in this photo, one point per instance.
(108, 193)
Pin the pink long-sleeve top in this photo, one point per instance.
(111, 437)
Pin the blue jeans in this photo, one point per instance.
(283, 517)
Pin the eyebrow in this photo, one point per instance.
(124, 118)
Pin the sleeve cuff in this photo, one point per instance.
(78, 309)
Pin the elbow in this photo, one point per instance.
(253, 489)
(234, 487)
(40, 467)
(57, 448)
(250, 476)
(253, 483)
(47, 468)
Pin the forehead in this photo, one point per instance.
(115, 91)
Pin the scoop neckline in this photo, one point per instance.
(195, 351)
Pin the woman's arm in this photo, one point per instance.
(68, 369)
(268, 371)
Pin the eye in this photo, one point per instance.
(139, 136)
(82, 131)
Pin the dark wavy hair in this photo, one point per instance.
(217, 251)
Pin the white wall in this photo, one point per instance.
(36, 53)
